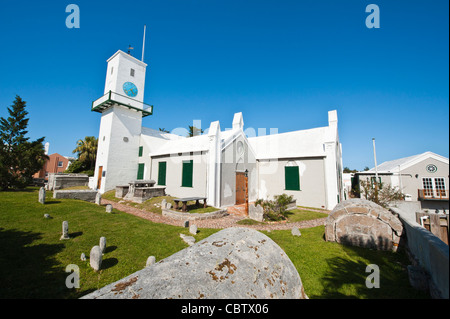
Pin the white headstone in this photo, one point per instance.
(98, 198)
(42, 195)
(102, 244)
(95, 258)
(65, 230)
(150, 261)
(193, 229)
(295, 231)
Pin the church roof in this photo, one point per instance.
(304, 143)
(190, 144)
(296, 144)
(405, 162)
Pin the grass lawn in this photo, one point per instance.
(331, 270)
(295, 215)
(300, 214)
(33, 258)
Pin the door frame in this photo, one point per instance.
(99, 177)
(239, 173)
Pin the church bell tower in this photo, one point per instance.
(122, 108)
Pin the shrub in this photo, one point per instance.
(386, 193)
(276, 209)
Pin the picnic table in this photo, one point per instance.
(187, 199)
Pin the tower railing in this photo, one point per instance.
(112, 98)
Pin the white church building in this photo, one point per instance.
(306, 163)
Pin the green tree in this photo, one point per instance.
(164, 130)
(19, 158)
(87, 152)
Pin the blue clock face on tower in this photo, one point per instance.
(130, 89)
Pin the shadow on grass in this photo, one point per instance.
(350, 272)
(24, 264)
(109, 262)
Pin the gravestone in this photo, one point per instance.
(65, 230)
(234, 263)
(188, 239)
(193, 229)
(47, 216)
(256, 212)
(295, 231)
(163, 204)
(102, 244)
(83, 257)
(42, 195)
(109, 208)
(95, 258)
(150, 261)
(98, 198)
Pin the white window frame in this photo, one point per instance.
(437, 189)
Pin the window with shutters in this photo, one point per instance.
(186, 179)
(162, 173)
(292, 178)
(140, 174)
(141, 150)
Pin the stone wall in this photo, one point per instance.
(61, 180)
(428, 252)
(193, 216)
(86, 195)
(234, 263)
(360, 222)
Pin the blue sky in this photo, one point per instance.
(284, 64)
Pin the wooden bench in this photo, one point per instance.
(187, 199)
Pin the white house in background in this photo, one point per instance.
(306, 164)
(423, 178)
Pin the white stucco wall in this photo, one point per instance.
(174, 171)
(117, 156)
(122, 63)
(312, 191)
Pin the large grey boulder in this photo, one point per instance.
(359, 222)
(235, 263)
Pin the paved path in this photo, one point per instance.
(219, 223)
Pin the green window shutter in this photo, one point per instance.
(186, 180)
(162, 173)
(140, 174)
(292, 178)
(141, 150)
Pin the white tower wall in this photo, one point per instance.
(120, 126)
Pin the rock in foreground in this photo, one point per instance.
(235, 263)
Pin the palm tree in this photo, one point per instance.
(193, 131)
(87, 150)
